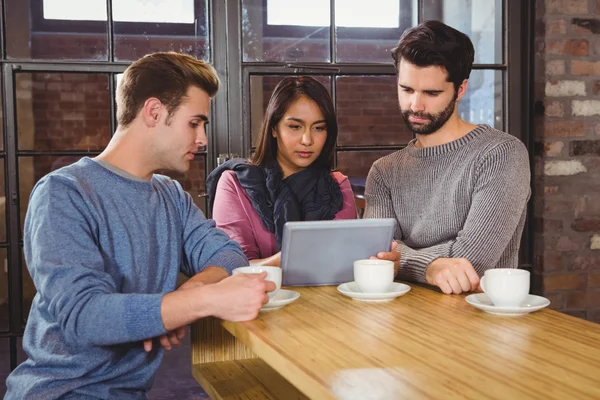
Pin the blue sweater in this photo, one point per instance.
(102, 250)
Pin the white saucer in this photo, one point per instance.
(532, 303)
(351, 289)
(281, 299)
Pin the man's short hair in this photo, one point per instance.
(435, 43)
(166, 76)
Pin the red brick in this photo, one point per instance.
(582, 262)
(566, 243)
(576, 313)
(551, 261)
(570, 7)
(551, 189)
(554, 109)
(558, 206)
(556, 27)
(594, 279)
(594, 315)
(564, 282)
(546, 225)
(585, 68)
(555, 67)
(565, 129)
(557, 300)
(596, 88)
(576, 299)
(574, 47)
(597, 129)
(593, 298)
(586, 224)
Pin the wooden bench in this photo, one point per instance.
(227, 370)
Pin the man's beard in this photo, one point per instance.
(436, 121)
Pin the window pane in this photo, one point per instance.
(285, 30)
(356, 164)
(193, 181)
(47, 29)
(481, 20)
(123, 10)
(164, 25)
(63, 111)
(483, 102)
(4, 315)
(370, 35)
(368, 111)
(261, 88)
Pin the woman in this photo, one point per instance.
(290, 176)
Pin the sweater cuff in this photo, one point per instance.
(228, 260)
(142, 316)
(414, 263)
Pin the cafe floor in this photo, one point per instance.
(173, 381)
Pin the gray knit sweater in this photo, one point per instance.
(466, 198)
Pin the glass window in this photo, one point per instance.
(379, 14)
(123, 10)
(356, 164)
(62, 111)
(481, 20)
(37, 29)
(91, 10)
(369, 35)
(482, 104)
(368, 113)
(4, 313)
(261, 88)
(160, 25)
(279, 36)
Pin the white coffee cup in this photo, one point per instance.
(374, 276)
(506, 287)
(273, 275)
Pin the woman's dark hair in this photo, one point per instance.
(435, 43)
(286, 92)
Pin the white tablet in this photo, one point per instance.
(315, 253)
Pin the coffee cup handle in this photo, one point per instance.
(482, 283)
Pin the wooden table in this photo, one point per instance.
(423, 345)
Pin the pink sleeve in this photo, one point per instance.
(348, 211)
(230, 215)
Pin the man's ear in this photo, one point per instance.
(462, 89)
(152, 111)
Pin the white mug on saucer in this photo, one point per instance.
(273, 275)
(374, 276)
(506, 287)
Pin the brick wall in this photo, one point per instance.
(567, 167)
